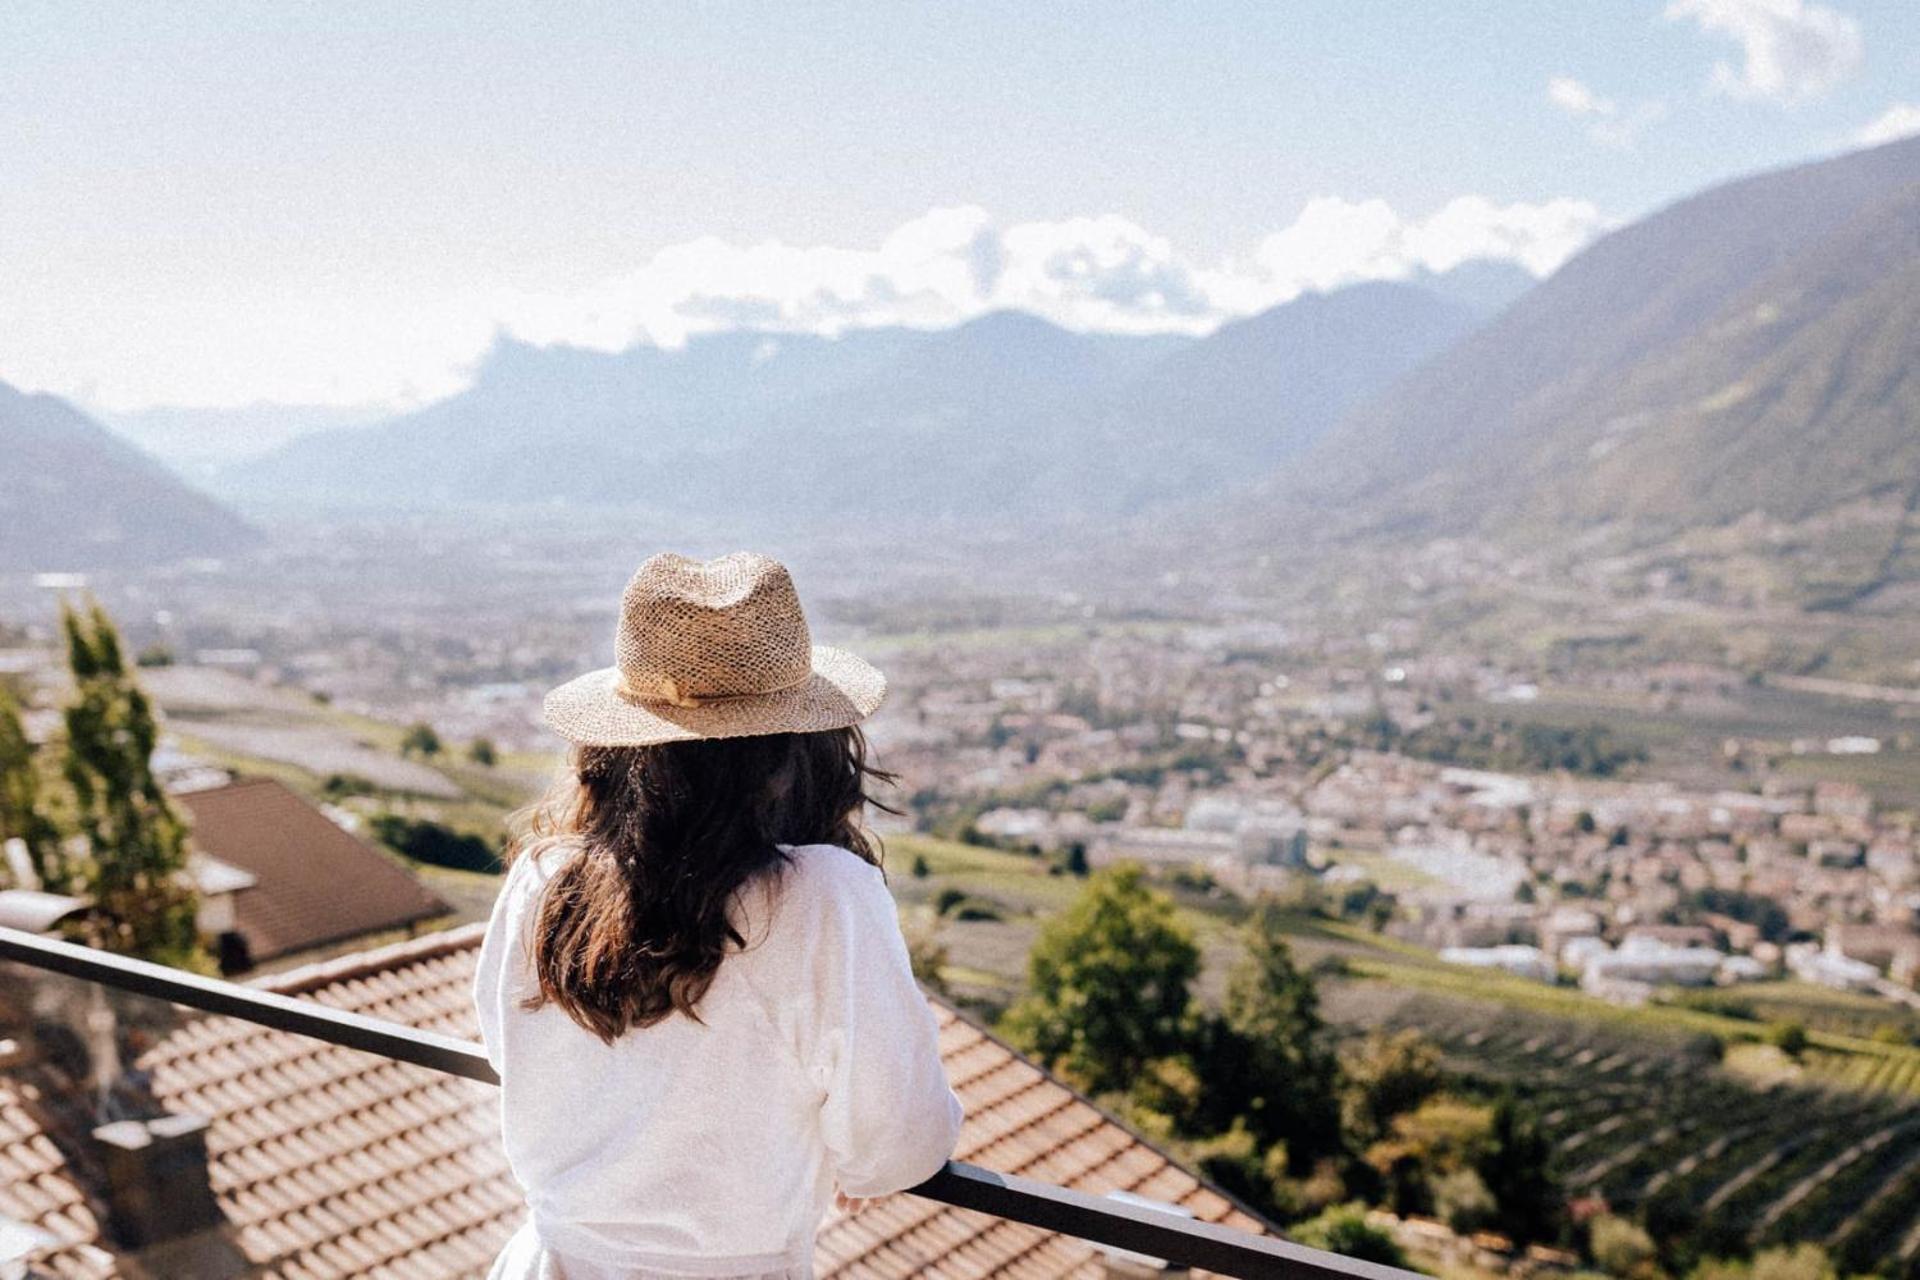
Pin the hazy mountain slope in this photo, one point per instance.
(1004, 416)
(1259, 390)
(199, 442)
(920, 420)
(72, 496)
(1738, 351)
(566, 423)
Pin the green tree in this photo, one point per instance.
(143, 903)
(1076, 861)
(1109, 982)
(420, 739)
(1345, 1230)
(1390, 1074)
(1793, 1262)
(1515, 1171)
(21, 816)
(481, 751)
(1790, 1038)
(1270, 1058)
(1620, 1248)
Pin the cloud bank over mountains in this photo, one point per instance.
(1104, 274)
(1101, 273)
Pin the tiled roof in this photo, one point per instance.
(317, 883)
(38, 1190)
(334, 1163)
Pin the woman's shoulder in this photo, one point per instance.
(824, 868)
(529, 869)
(818, 885)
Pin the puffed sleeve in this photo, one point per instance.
(498, 983)
(888, 1116)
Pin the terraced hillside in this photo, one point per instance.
(1711, 1162)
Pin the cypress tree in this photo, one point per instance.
(143, 903)
(21, 817)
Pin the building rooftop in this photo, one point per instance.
(329, 1162)
(304, 866)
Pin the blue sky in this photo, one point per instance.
(343, 202)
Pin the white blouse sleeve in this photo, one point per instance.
(889, 1118)
(497, 980)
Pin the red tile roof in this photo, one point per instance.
(317, 883)
(334, 1163)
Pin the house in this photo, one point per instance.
(313, 885)
(324, 1162)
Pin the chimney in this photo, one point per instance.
(156, 1176)
(1124, 1264)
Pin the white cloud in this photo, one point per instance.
(1901, 120)
(1607, 123)
(1094, 273)
(1101, 272)
(1575, 98)
(1791, 50)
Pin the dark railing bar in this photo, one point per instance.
(1137, 1229)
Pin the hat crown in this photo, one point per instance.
(691, 630)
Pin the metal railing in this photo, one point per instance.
(1136, 1229)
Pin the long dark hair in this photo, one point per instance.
(634, 925)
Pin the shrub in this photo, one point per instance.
(1345, 1230)
(1462, 1199)
(430, 842)
(1619, 1247)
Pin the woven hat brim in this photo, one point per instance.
(843, 690)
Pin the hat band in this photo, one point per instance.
(666, 689)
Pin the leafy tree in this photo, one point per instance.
(1620, 1248)
(1345, 1230)
(1076, 863)
(1108, 983)
(1443, 1135)
(1270, 1058)
(1462, 1200)
(21, 817)
(1390, 1075)
(142, 902)
(1793, 1262)
(1515, 1171)
(920, 868)
(1790, 1038)
(481, 751)
(420, 739)
(435, 843)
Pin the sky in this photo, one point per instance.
(220, 204)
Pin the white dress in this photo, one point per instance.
(712, 1148)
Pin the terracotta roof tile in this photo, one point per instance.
(332, 1163)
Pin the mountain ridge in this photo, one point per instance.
(75, 496)
(1004, 415)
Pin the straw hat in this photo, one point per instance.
(713, 649)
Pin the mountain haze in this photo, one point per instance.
(72, 496)
(1749, 352)
(1004, 416)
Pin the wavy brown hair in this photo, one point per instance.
(633, 926)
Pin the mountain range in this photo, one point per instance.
(1751, 353)
(1739, 371)
(1006, 416)
(74, 496)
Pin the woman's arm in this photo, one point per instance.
(888, 1117)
